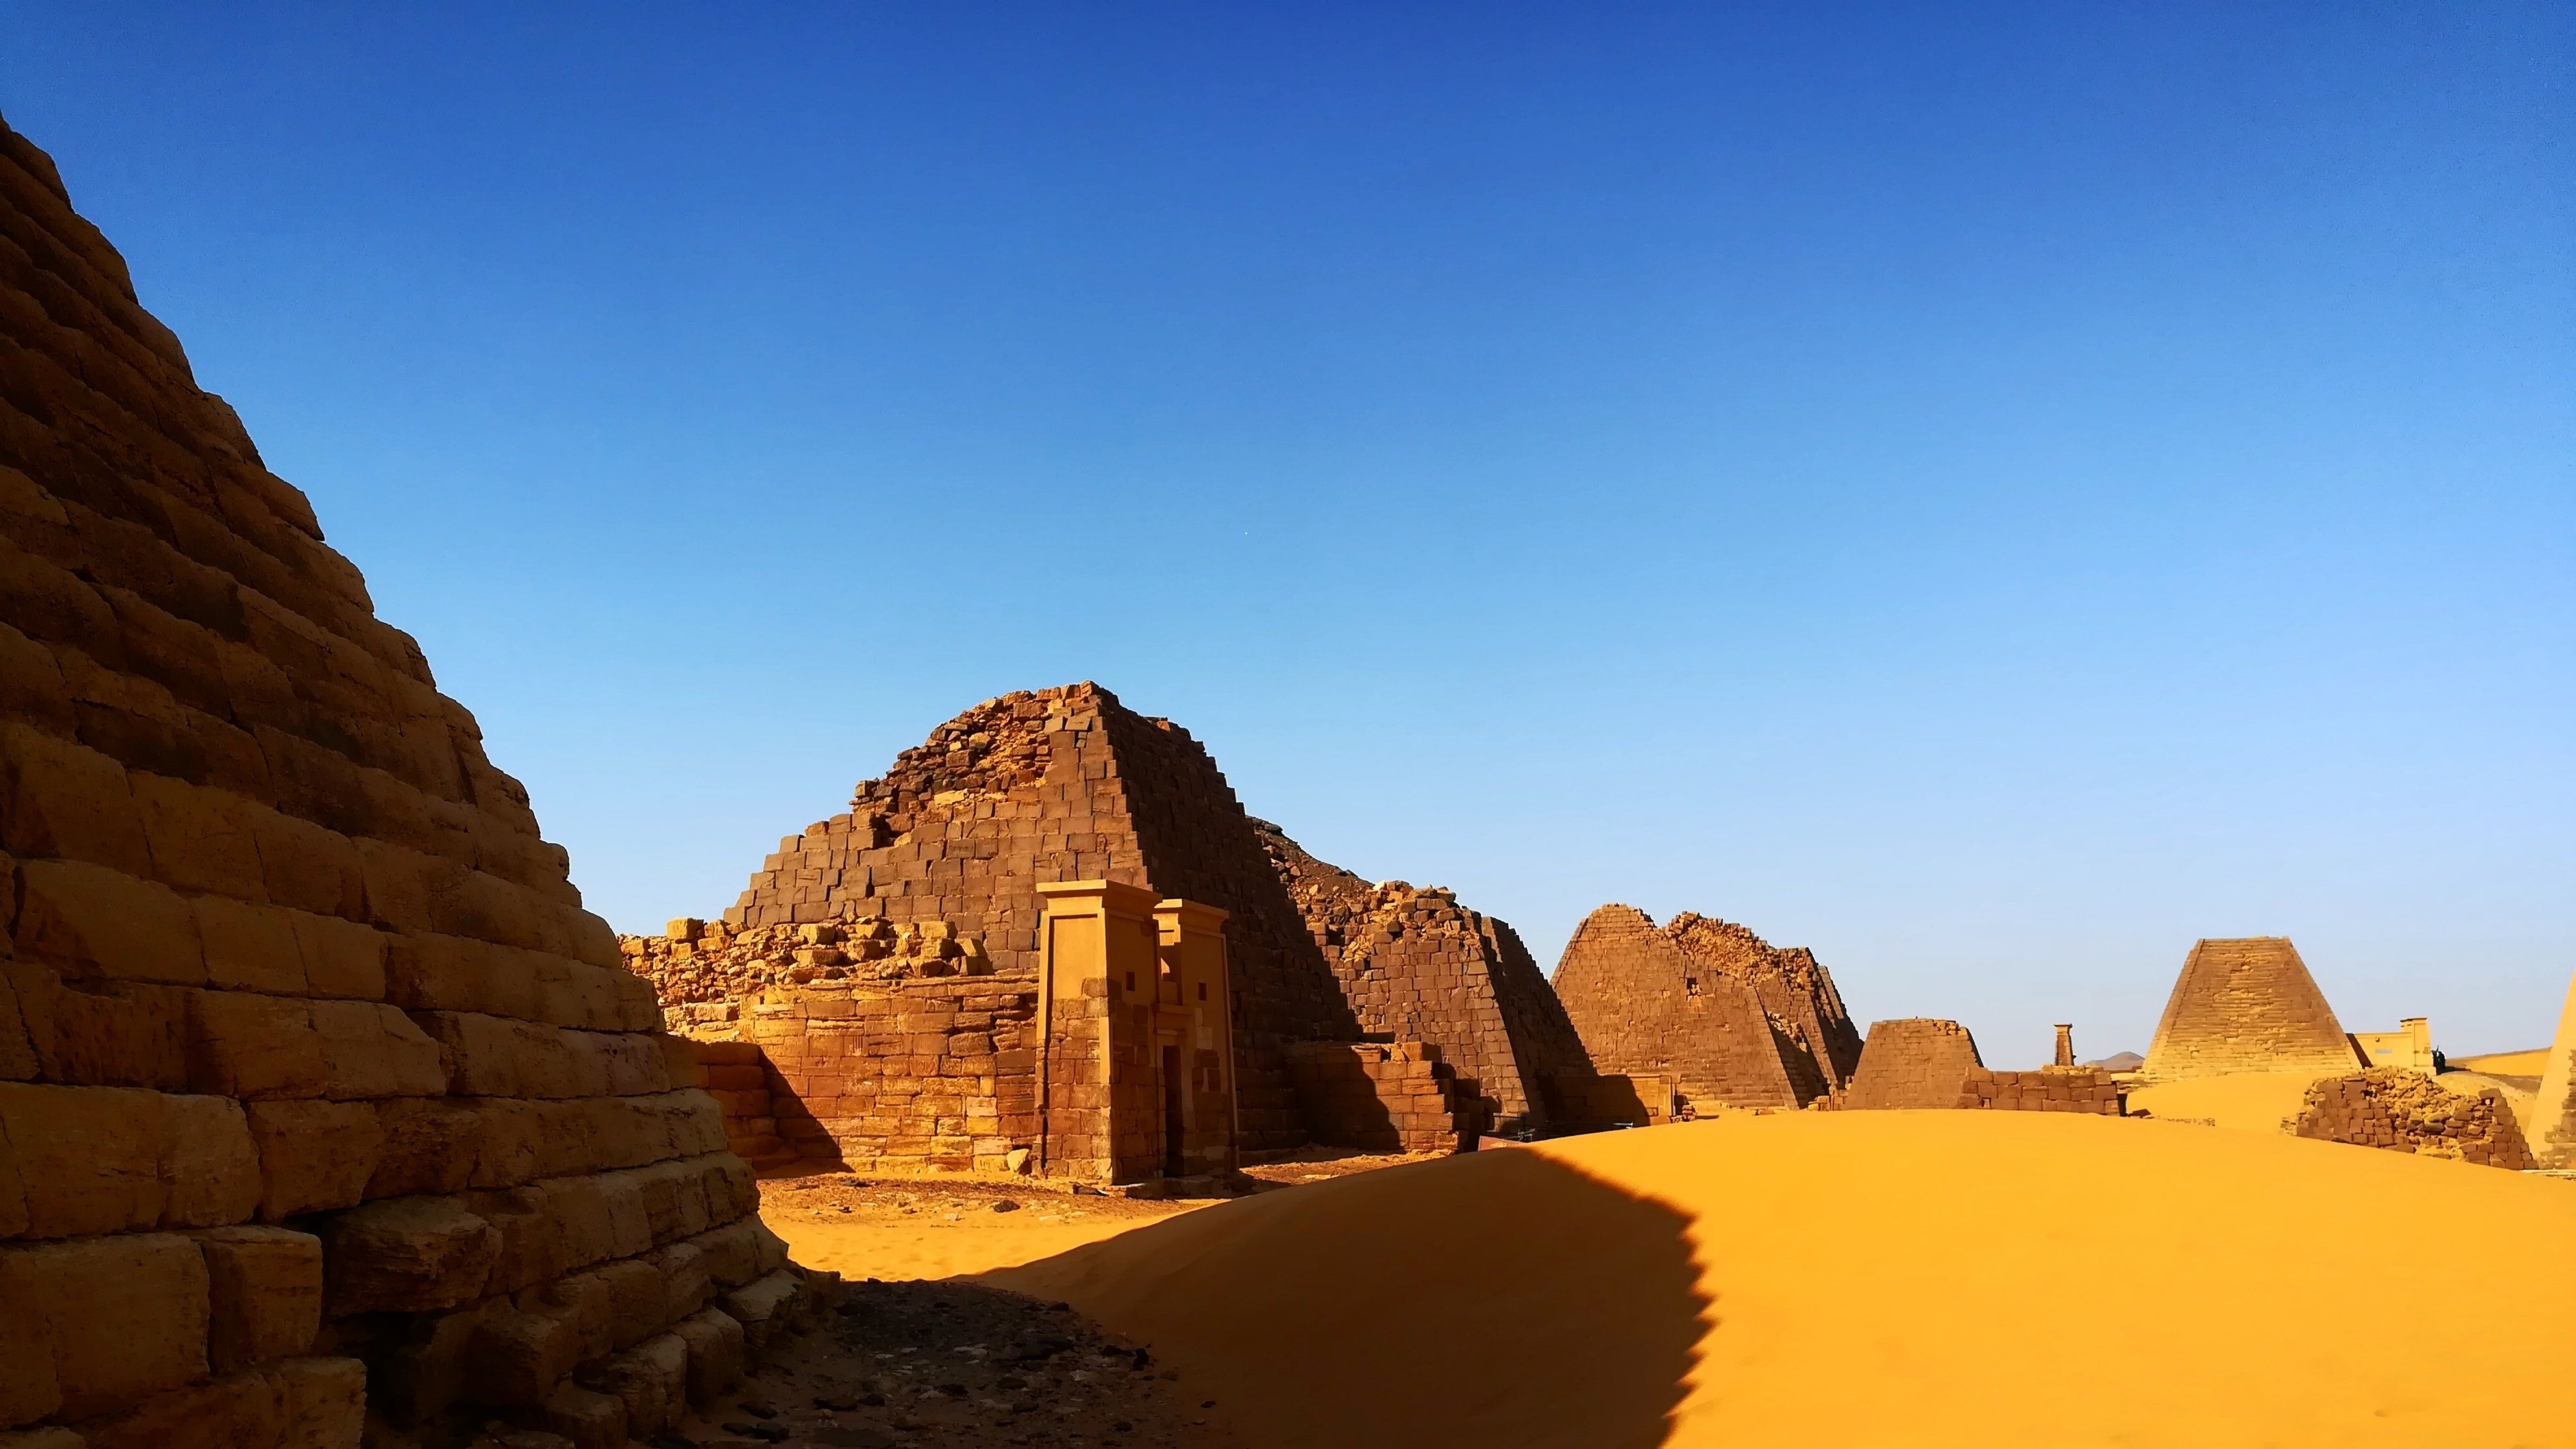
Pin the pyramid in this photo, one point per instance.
(2553, 1114)
(1789, 981)
(322, 1100)
(2247, 1005)
(1650, 1002)
(1416, 965)
(1916, 1062)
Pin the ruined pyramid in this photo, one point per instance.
(1067, 784)
(2247, 1005)
(1688, 1002)
(323, 1103)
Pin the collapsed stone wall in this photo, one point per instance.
(2049, 1089)
(1686, 1001)
(2403, 1110)
(321, 1098)
(1915, 1062)
(1386, 1098)
(2247, 1005)
(1415, 965)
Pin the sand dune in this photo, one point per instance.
(1880, 1279)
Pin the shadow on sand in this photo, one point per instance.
(1501, 1298)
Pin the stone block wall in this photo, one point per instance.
(739, 1077)
(2050, 1089)
(321, 1098)
(923, 1075)
(1593, 1102)
(2403, 1110)
(1384, 1097)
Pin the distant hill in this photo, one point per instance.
(2120, 1062)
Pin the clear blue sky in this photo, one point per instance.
(1989, 493)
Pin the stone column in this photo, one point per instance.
(1198, 1020)
(2066, 1043)
(1099, 1100)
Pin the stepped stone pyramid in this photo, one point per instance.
(2553, 1113)
(1693, 1001)
(2247, 1005)
(323, 1103)
(1417, 965)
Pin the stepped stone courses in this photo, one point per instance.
(1915, 1062)
(1416, 965)
(322, 1101)
(2247, 1005)
(2403, 1110)
(1730, 1019)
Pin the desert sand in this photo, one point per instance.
(2250, 1101)
(1898, 1278)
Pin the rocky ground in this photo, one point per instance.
(954, 1365)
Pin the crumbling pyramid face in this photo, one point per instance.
(1790, 982)
(322, 1100)
(1067, 784)
(2402, 1110)
(1915, 1062)
(1418, 966)
(1686, 1001)
(2247, 1005)
(2553, 1113)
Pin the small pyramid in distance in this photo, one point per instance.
(2247, 1004)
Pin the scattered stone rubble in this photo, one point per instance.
(324, 1107)
(2403, 1110)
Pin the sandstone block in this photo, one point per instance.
(313, 1155)
(200, 838)
(82, 1159)
(59, 799)
(430, 1145)
(342, 958)
(239, 1409)
(715, 1354)
(651, 1379)
(765, 1307)
(518, 1355)
(209, 1166)
(407, 1255)
(590, 1420)
(42, 1439)
(265, 1294)
(324, 1402)
(248, 947)
(104, 1033)
(253, 1047)
(370, 1049)
(92, 920)
(117, 1319)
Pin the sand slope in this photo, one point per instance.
(1871, 1278)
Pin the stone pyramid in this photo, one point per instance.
(2553, 1113)
(2247, 1005)
(1790, 982)
(322, 1100)
(1646, 1003)
(1068, 784)
(1914, 1062)
(1417, 965)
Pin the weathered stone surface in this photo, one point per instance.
(245, 838)
(265, 1287)
(2247, 1005)
(1687, 1002)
